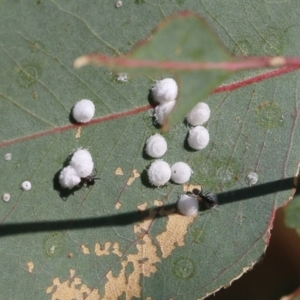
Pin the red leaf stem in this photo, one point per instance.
(234, 65)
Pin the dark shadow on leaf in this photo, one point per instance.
(186, 144)
(71, 118)
(256, 191)
(150, 99)
(145, 179)
(123, 219)
(145, 155)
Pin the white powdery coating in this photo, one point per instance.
(181, 172)
(159, 172)
(198, 137)
(162, 111)
(6, 197)
(119, 4)
(7, 156)
(68, 177)
(123, 77)
(82, 163)
(252, 178)
(83, 111)
(156, 146)
(199, 114)
(188, 205)
(165, 90)
(26, 185)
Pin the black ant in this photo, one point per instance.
(89, 180)
(209, 199)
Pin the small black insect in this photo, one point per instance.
(89, 180)
(209, 199)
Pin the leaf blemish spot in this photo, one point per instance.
(119, 4)
(85, 249)
(8, 156)
(252, 178)
(135, 174)
(119, 171)
(6, 197)
(26, 185)
(30, 265)
(183, 268)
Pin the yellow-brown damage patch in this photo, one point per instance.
(190, 187)
(85, 249)
(135, 174)
(158, 203)
(99, 251)
(116, 249)
(30, 265)
(177, 228)
(143, 265)
(142, 207)
(118, 205)
(119, 171)
(78, 133)
(145, 224)
(72, 288)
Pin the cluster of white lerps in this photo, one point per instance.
(165, 92)
(160, 171)
(81, 166)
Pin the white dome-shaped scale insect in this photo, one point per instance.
(8, 156)
(26, 185)
(84, 111)
(198, 137)
(165, 90)
(68, 177)
(82, 163)
(162, 111)
(156, 146)
(199, 114)
(181, 172)
(159, 172)
(188, 205)
(252, 178)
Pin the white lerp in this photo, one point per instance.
(188, 205)
(159, 172)
(181, 172)
(68, 177)
(6, 197)
(84, 111)
(199, 114)
(26, 185)
(198, 137)
(162, 111)
(156, 146)
(82, 163)
(165, 90)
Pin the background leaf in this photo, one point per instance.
(252, 129)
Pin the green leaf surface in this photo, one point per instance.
(127, 255)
